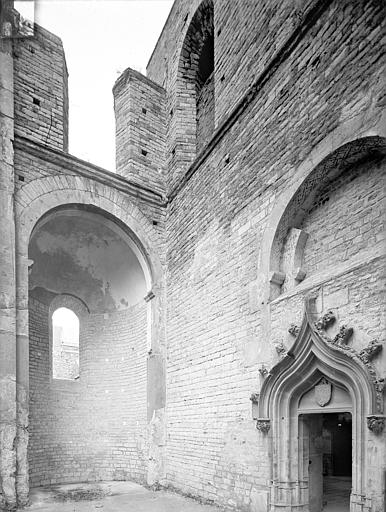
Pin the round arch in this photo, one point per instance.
(32, 205)
(198, 32)
(35, 202)
(328, 157)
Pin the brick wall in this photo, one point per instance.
(347, 219)
(41, 89)
(218, 333)
(205, 113)
(245, 41)
(140, 129)
(93, 428)
(344, 222)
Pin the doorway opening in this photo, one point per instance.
(330, 461)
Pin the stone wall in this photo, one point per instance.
(205, 114)
(294, 83)
(41, 89)
(219, 331)
(93, 428)
(140, 129)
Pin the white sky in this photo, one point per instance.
(69, 322)
(101, 39)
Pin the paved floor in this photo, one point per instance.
(336, 494)
(110, 497)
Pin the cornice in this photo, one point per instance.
(93, 172)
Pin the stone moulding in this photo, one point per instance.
(376, 423)
(312, 358)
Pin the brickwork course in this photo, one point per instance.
(249, 202)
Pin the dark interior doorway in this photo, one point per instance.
(337, 461)
(330, 461)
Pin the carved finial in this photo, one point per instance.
(254, 398)
(325, 321)
(376, 423)
(263, 424)
(369, 352)
(281, 349)
(343, 335)
(379, 384)
(263, 370)
(294, 330)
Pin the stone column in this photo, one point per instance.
(156, 390)
(7, 279)
(22, 370)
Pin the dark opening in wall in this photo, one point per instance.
(196, 82)
(205, 93)
(35, 101)
(206, 61)
(144, 152)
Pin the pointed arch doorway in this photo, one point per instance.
(318, 385)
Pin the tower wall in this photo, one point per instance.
(140, 129)
(41, 89)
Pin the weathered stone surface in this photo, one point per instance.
(291, 141)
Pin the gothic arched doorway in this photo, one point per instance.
(319, 382)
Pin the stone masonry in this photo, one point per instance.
(249, 205)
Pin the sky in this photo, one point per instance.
(101, 39)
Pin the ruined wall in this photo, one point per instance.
(139, 107)
(347, 220)
(205, 114)
(41, 89)
(93, 428)
(245, 41)
(343, 258)
(218, 328)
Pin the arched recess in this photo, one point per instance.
(329, 159)
(34, 203)
(194, 111)
(313, 357)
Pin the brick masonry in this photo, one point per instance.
(41, 89)
(92, 428)
(295, 144)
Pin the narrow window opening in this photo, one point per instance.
(205, 93)
(206, 61)
(65, 344)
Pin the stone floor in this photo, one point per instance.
(336, 495)
(110, 497)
